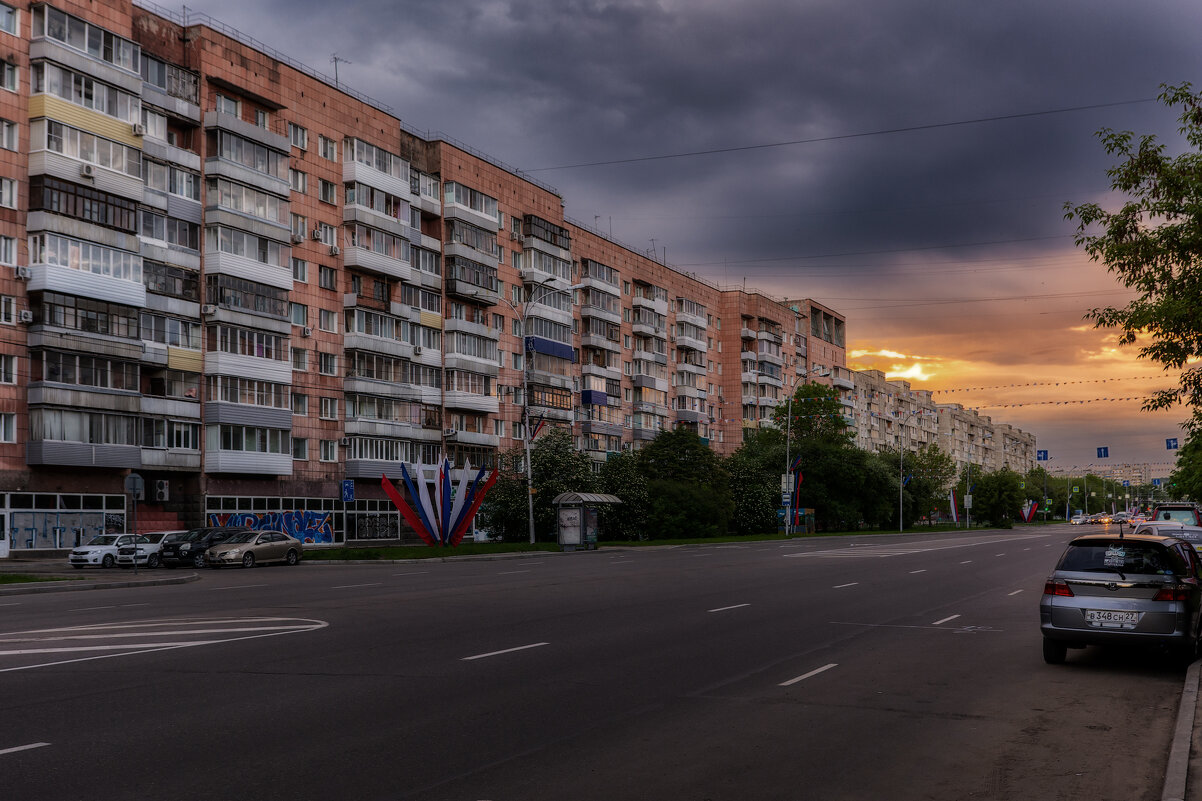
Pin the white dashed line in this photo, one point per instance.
(352, 586)
(912, 572)
(511, 572)
(966, 562)
(415, 573)
(1016, 592)
(841, 586)
(22, 748)
(946, 619)
(236, 587)
(805, 676)
(506, 651)
(725, 608)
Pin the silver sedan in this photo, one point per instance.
(249, 548)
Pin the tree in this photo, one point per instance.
(927, 474)
(688, 489)
(557, 467)
(1187, 474)
(998, 497)
(620, 476)
(754, 471)
(1153, 245)
(816, 414)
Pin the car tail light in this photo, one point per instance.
(1172, 594)
(1051, 587)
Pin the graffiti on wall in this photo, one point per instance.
(308, 527)
(377, 527)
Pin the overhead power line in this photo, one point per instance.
(838, 137)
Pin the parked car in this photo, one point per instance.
(101, 550)
(148, 554)
(1138, 589)
(248, 548)
(1181, 512)
(190, 547)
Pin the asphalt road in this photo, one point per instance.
(899, 667)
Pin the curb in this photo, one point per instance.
(1176, 773)
(76, 585)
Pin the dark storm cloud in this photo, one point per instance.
(542, 84)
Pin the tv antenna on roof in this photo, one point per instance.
(335, 58)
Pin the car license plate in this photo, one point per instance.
(1110, 618)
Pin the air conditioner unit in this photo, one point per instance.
(308, 331)
(344, 441)
(417, 351)
(22, 273)
(297, 239)
(87, 171)
(317, 234)
(448, 432)
(208, 309)
(139, 130)
(25, 316)
(162, 490)
(334, 251)
(515, 236)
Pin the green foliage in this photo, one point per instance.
(816, 414)
(997, 497)
(930, 472)
(620, 476)
(688, 488)
(755, 471)
(1187, 473)
(1152, 245)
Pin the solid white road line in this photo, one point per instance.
(506, 651)
(805, 676)
(1016, 592)
(912, 572)
(512, 572)
(415, 573)
(724, 608)
(946, 619)
(22, 748)
(841, 586)
(236, 587)
(351, 586)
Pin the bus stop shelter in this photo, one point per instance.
(576, 518)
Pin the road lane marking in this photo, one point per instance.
(805, 676)
(912, 572)
(506, 651)
(966, 562)
(999, 554)
(876, 551)
(352, 586)
(1016, 592)
(90, 608)
(414, 573)
(15, 749)
(17, 604)
(946, 619)
(512, 572)
(236, 587)
(841, 586)
(724, 608)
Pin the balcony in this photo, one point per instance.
(264, 464)
(355, 256)
(53, 278)
(82, 454)
(468, 291)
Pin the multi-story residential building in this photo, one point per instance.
(968, 436)
(889, 414)
(257, 290)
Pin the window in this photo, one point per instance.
(300, 404)
(8, 369)
(327, 277)
(155, 123)
(8, 134)
(8, 250)
(329, 450)
(328, 320)
(8, 309)
(228, 105)
(299, 224)
(300, 270)
(300, 359)
(8, 427)
(8, 76)
(328, 192)
(8, 24)
(298, 136)
(78, 34)
(327, 363)
(299, 181)
(300, 449)
(327, 148)
(8, 193)
(498, 428)
(299, 313)
(326, 234)
(260, 118)
(329, 409)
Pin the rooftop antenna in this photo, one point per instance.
(336, 58)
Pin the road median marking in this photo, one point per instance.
(17, 748)
(944, 620)
(812, 673)
(505, 651)
(726, 608)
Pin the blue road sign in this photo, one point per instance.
(1103, 453)
(1041, 456)
(1126, 483)
(1171, 444)
(348, 490)
(1156, 482)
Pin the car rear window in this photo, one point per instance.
(1122, 556)
(1178, 515)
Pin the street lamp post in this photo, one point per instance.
(789, 441)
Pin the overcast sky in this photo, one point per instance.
(884, 157)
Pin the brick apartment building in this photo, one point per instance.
(223, 274)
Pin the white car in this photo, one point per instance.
(101, 550)
(148, 554)
(1172, 528)
(1077, 520)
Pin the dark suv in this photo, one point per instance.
(1178, 513)
(189, 547)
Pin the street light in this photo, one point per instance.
(526, 351)
(788, 441)
(901, 456)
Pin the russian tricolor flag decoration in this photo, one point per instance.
(445, 518)
(951, 497)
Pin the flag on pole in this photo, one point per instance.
(952, 504)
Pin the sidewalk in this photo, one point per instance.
(84, 578)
